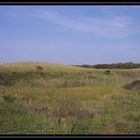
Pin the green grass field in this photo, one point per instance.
(64, 99)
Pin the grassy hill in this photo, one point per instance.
(61, 99)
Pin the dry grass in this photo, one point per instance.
(67, 100)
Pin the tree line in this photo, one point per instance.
(127, 65)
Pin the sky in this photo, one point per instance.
(70, 34)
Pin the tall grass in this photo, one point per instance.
(67, 100)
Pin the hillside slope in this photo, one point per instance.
(45, 98)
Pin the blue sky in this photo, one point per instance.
(70, 34)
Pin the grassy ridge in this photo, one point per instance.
(67, 100)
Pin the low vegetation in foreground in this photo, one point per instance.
(44, 98)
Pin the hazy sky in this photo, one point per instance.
(70, 34)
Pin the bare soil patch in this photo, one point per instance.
(133, 86)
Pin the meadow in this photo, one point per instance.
(64, 99)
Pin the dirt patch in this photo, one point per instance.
(133, 86)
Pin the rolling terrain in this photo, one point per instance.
(46, 98)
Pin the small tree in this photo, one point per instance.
(107, 72)
(39, 68)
